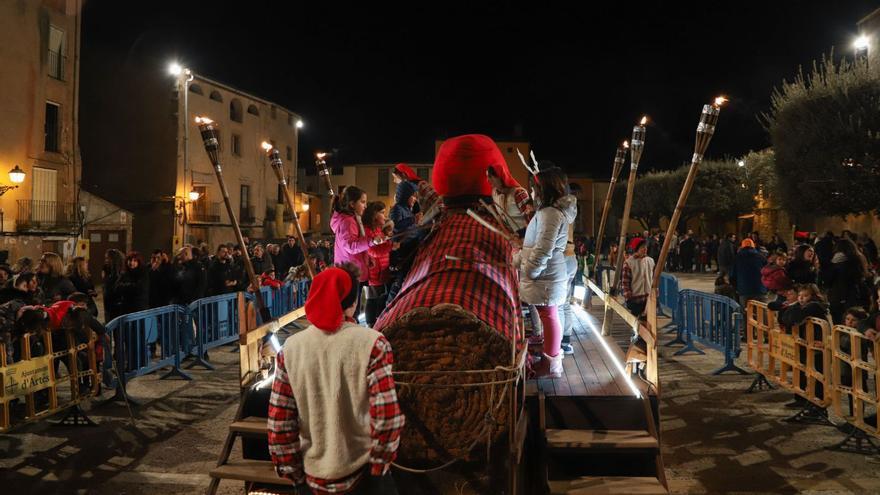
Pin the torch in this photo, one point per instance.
(705, 130)
(619, 159)
(212, 145)
(324, 172)
(638, 145)
(278, 167)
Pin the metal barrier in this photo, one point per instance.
(852, 371)
(667, 301)
(35, 377)
(146, 341)
(214, 322)
(714, 321)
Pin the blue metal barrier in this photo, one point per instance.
(135, 338)
(714, 321)
(214, 321)
(667, 304)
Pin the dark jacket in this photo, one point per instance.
(161, 285)
(746, 272)
(824, 251)
(847, 286)
(86, 286)
(133, 290)
(12, 294)
(111, 296)
(401, 213)
(262, 265)
(53, 289)
(290, 257)
(801, 272)
(795, 314)
(218, 273)
(188, 283)
(726, 253)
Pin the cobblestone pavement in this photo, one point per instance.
(716, 438)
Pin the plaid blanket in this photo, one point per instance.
(488, 290)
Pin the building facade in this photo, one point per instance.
(156, 157)
(39, 105)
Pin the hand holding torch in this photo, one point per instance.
(208, 129)
(278, 167)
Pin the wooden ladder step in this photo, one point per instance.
(249, 470)
(612, 485)
(600, 439)
(250, 426)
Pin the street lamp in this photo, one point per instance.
(194, 195)
(16, 175)
(741, 163)
(300, 124)
(184, 76)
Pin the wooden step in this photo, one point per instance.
(600, 439)
(249, 470)
(250, 426)
(608, 486)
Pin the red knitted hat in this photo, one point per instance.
(461, 163)
(324, 304)
(407, 171)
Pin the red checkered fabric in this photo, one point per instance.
(489, 291)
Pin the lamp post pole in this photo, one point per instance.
(188, 76)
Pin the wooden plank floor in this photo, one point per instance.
(590, 372)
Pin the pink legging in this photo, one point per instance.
(552, 329)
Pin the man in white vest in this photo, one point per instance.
(334, 421)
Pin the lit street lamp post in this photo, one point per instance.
(184, 77)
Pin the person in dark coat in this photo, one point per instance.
(726, 254)
(847, 284)
(54, 286)
(746, 273)
(189, 278)
(24, 290)
(686, 250)
(221, 276)
(803, 268)
(133, 288)
(825, 251)
(291, 255)
(776, 244)
(161, 278)
(402, 212)
(114, 264)
(869, 248)
(261, 261)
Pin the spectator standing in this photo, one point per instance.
(378, 262)
(54, 286)
(133, 288)
(825, 251)
(847, 279)
(273, 251)
(804, 266)
(78, 273)
(638, 273)
(114, 264)
(726, 254)
(746, 273)
(221, 276)
(291, 255)
(261, 261)
(189, 279)
(161, 279)
(869, 248)
(776, 244)
(687, 248)
(352, 241)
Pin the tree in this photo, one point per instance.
(718, 193)
(825, 129)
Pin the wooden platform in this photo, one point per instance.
(590, 371)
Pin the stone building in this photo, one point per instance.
(39, 105)
(145, 152)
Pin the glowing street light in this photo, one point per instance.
(194, 195)
(175, 69)
(741, 163)
(16, 175)
(300, 124)
(861, 43)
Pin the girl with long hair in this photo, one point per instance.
(54, 286)
(78, 273)
(114, 263)
(378, 262)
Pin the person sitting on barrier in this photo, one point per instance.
(334, 420)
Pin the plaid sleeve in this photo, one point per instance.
(524, 203)
(283, 427)
(386, 419)
(626, 281)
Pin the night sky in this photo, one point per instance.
(381, 85)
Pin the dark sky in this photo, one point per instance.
(381, 85)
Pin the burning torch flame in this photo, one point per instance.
(320, 155)
(203, 120)
(644, 120)
(720, 101)
(266, 146)
(625, 144)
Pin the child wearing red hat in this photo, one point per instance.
(334, 421)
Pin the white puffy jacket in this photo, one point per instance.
(541, 262)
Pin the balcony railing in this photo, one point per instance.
(247, 215)
(46, 216)
(205, 212)
(56, 62)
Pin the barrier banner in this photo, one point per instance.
(26, 377)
